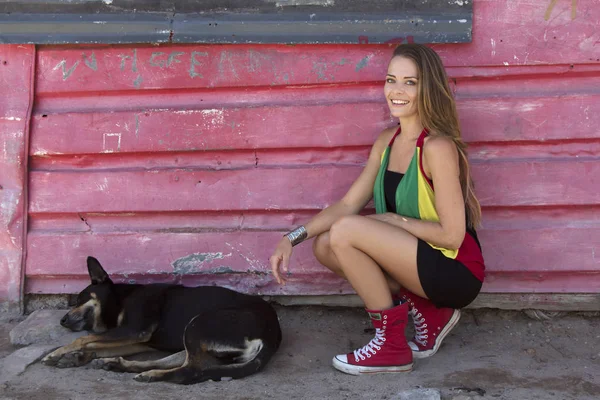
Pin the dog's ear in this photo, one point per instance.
(97, 274)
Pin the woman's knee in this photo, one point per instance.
(339, 234)
(323, 253)
(320, 245)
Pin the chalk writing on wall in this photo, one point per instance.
(134, 67)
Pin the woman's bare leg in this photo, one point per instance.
(365, 250)
(324, 254)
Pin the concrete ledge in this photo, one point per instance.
(589, 302)
(567, 302)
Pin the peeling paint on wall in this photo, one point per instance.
(193, 263)
(252, 260)
(42, 153)
(324, 3)
(9, 201)
(11, 148)
(216, 115)
(363, 63)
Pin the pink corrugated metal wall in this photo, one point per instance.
(16, 100)
(187, 163)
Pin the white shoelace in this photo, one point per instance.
(420, 327)
(372, 347)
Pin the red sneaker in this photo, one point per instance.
(432, 324)
(388, 351)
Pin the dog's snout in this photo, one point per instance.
(64, 319)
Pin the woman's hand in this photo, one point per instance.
(281, 258)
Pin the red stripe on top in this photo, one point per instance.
(420, 142)
(470, 255)
(394, 137)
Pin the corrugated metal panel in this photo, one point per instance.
(187, 163)
(16, 79)
(235, 21)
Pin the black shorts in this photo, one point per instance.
(447, 282)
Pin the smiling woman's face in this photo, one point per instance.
(401, 87)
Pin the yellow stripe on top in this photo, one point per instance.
(427, 209)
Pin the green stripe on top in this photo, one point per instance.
(378, 190)
(407, 193)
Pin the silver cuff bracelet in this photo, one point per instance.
(297, 236)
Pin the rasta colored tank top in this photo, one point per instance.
(415, 198)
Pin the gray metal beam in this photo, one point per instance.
(322, 28)
(94, 28)
(235, 21)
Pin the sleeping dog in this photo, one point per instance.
(213, 332)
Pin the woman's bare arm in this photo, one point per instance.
(353, 202)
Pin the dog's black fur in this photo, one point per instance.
(214, 332)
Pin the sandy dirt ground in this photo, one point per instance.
(491, 354)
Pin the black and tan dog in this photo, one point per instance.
(213, 332)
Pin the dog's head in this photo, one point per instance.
(95, 306)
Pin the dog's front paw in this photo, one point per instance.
(109, 364)
(52, 358)
(146, 377)
(74, 359)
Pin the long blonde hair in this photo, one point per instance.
(437, 111)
